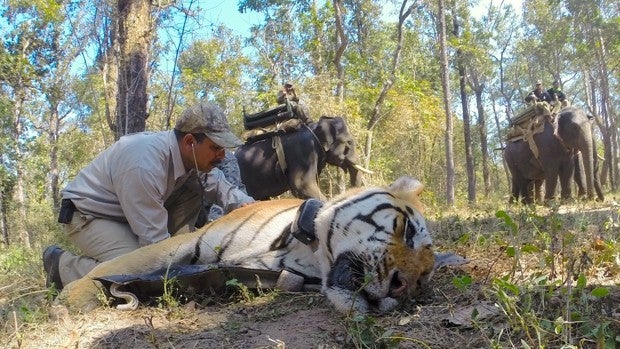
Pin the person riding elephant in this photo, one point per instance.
(555, 93)
(557, 146)
(294, 160)
(289, 94)
(538, 94)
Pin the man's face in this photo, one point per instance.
(539, 87)
(208, 154)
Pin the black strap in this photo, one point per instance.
(308, 211)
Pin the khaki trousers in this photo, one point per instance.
(101, 239)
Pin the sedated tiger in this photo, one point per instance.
(370, 247)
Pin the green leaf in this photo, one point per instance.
(529, 248)
(511, 251)
(558, 325)
(474, 314)
(510, 224)
(233, 282)
(507, 285)
(581, 281)
(462, 282)
(600, 292)
(463, 238)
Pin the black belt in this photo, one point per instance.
(66, 211)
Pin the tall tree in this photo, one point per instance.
(340, 44)
(447, 98)
(596, 29)
(461, 64)
(19, 58)
(404, 12)
(135, 34)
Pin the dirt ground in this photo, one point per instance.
(273, 320)
(472, 315)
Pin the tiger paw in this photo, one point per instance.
(387, 304)
(346, 301)
(81, 295)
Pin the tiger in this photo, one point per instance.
(370, 248)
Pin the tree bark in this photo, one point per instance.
(19, 196)
(484, 144)
(3, 225)
(341, 42)
(135, 31)
(469, 157)
(445, 83)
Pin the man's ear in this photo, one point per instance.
(188, 141)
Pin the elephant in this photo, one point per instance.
(558, 144)
(305, 152)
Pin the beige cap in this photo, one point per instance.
(207, 118)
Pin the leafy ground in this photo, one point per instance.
(542, 277)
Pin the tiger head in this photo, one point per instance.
(374, 247)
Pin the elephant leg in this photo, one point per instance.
(597, 179)
(515, 191)
(538, 195)
(566, 174)
(579, 175)
(597, 185)
(526, 188)
(551, 182)
(305, 186)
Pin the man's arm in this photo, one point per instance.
(143, 205)
(219, 191)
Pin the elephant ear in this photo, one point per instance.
(408, 189)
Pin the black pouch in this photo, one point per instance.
(67, 208)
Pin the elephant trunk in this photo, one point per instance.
(355, 172)
(587, 154)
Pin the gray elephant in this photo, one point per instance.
(305, 153)
(557, 146)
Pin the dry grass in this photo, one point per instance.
(537, 278)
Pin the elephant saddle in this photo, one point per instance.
(288, 110)
(526, 129)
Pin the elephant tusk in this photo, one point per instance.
(360, 168)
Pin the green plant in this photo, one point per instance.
(169, 297)
(462, 282)
(242, 290)
(365, 332)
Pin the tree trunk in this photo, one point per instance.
(469, 158)
(445, 83)
(19, 196)
(501, 143)
(484, 144)
(54, 125)
(607, 109)
(3, 225)
(341, 44)
(135, 31)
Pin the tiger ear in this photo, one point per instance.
(448, 259)
(408, 189)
